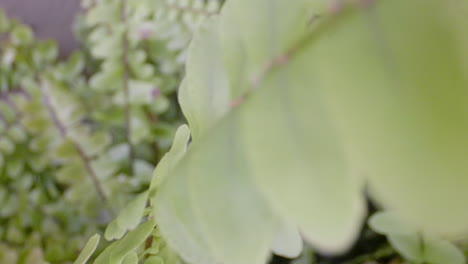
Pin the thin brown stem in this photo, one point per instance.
(126, 88)
(64, 133)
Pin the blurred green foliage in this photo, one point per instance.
(79, 137)
(287, 103)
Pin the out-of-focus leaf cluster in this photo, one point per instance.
(79, 138)
(40, 171)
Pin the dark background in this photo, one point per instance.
(49, 19)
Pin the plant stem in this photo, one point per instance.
(126, 88)
(64, 133)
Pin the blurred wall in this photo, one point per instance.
(50, 19)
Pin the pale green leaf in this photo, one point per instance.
(109, 79)
(45, 52)
(414, 246)
(167, 163)
(6, 145)
(92, 143)
(17, 134)
(442, 252)
(243, 151)
(75, 64)
(103, 14)
(21, 35)
(108, 47)
(114, 231)
(254, 32)
(130, 216)
(204, 94)
(399, 98)
(131, 258)
(117, 251)
(88, 250)
(409, 246)
(387, 223)
(309, 168)
(104, 257)
(131, 241)
(172, 210)
(178, 224)
(64, 149)
(140, 93)
(212, 197)
(287, 241)
(15, 168)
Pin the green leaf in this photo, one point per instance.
(45, 52)
(6, 145)
(388, 223)
(88, 250)
(92, 143)
(114, 231)
(131, 241)
(412, 245)
(17, 133)
(254, 32)
(399, 99)
(140, 93)
(177, 222)
(442, 252)
(409, 246)
(320, 173)
(132, 213)
(15, 168)
(103, 14)
(21, 35)
(75, 64)
(204, 94)
(426, 250)
(118, 250)
(131, 258)
(65, 150)
(287, 241)
(108, 47)
(109, 79)
(242, 152)
(179, 227)
(169, 161)
(211, 195)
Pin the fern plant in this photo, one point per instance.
(288, 103)
(302, 101)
